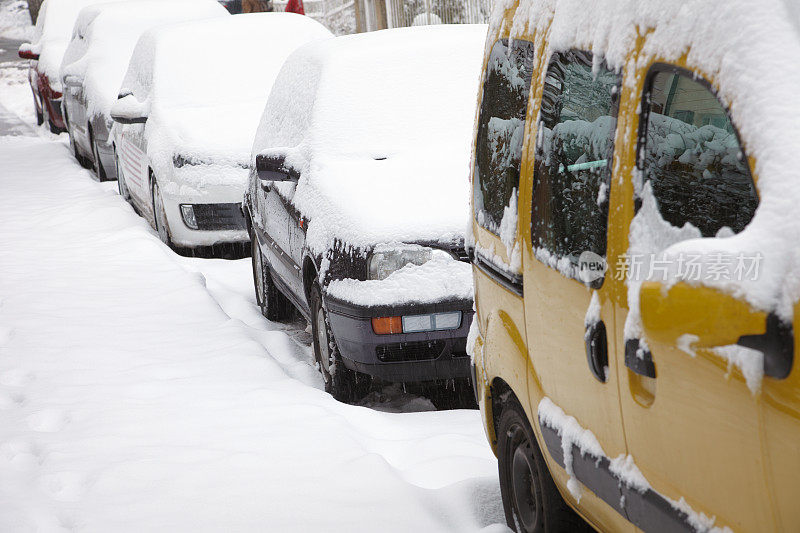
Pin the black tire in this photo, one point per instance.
(343, 384)
(97, 165)
(159, 215)
(531, 500)
(39, 116)
(50, 124)
(274, 305)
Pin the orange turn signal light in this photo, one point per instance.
(387, 325)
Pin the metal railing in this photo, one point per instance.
(350, 16)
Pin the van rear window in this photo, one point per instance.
(501, 128)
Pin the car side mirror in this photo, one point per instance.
(70, 80)
(274, 168)
(712, 319)
(26, 52)
(129, 110)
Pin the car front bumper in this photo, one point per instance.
(403, 357)
(218, 214)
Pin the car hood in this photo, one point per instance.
(221, 135)
(386, 198)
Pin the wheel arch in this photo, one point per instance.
(310, 273)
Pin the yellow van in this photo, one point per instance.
(634, 242)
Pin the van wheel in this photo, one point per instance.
(274, 305)
(343, 384)
(531, 500)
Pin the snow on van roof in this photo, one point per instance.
(105, 35)
(206, 82)
(380, 126)
(751, 52)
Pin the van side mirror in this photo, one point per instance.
(274, 168)
(715, 319)
(129, 110)
(26, 52)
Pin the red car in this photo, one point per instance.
(46, 99)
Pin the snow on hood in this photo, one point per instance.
(105, 35)
(380, 127)
(211, 113)
(752, 54)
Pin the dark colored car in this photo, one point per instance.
(357, 199)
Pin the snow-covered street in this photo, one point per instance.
(143, 391)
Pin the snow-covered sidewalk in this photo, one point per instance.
(141, 391)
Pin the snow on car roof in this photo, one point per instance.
(380, 126)
(751, 53)
(105, 35)
(206, 82)
(52, 34)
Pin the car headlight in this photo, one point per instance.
(384, 261)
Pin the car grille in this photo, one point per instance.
(410, 351)
(461, 253)
(218, 217)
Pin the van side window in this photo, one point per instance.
(501, 128)
(574, 149)
(692, 159)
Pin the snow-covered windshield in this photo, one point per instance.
(385, 98)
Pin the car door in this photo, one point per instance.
(297, 250)
(568, 302)
(691, 420)
(274, 219)
(133, 163)
(781, 415)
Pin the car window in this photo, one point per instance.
(692, 159)
(501, 128)
(574, 149)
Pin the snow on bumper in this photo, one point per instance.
(216, 193)
(436, 281)
(435, 289)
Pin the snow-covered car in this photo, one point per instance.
(46, 51)
(357, 199)
(188, 111)
(95, 63)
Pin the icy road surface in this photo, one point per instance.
(142, 391)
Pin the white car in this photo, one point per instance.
(95, 62)
(188, 111)
(357, 202)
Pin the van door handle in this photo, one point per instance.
(596, 342)
(639, 361)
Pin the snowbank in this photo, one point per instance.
(106, 34)
(15, 20)
(140, 391)
(380, 127)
